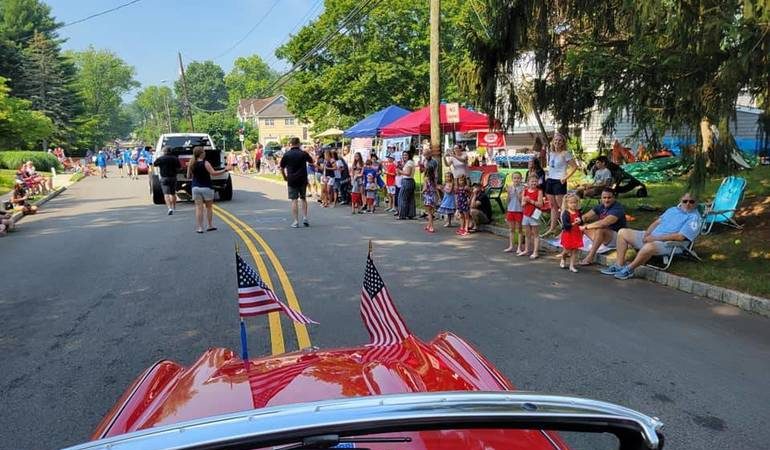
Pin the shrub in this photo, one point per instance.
(42, 160)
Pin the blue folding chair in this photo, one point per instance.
(726, 202)
(474, 176)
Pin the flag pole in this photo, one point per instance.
(244, 340)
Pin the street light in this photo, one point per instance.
(168, 113)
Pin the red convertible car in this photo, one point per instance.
(410, 394)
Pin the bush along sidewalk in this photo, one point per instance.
(747, 302)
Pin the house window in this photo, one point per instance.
(288, 121)
(269, 122)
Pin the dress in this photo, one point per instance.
(463, 199)
(429, 194)
(448, 206)
(571, 235)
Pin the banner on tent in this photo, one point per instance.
(399, 145)
(490, 139)
(362, 146)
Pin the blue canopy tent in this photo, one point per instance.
(371, 125)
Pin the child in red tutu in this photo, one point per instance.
(571, 235)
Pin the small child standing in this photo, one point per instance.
(447, 207)
(356, 200)
(429, 199)
(371, 192)
(532, 201)
(390, 182)
(463, 193)
(514, 214)
(571, 235)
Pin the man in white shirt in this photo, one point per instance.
(602, 179)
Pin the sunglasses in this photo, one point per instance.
(692, 202)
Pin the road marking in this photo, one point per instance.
(274, 319)
(303, 337)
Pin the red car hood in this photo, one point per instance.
(220, 382)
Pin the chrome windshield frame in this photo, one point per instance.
(390, 413)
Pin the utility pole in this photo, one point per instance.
(186, 98)
(435, 96)
(168, 113)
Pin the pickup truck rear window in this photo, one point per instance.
(183, 145)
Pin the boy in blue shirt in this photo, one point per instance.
(678, 223)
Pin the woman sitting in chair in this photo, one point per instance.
(20, 199)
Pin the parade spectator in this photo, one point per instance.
(169, 166)
(377, 177)
(406, 207)
(312, 181)
(463, 194)
(357, 190)
(201, 171)
(20, 199)
(561, 167)
(389, 167)
(429, 195)
(45, 184)
(514, 213)
(532, 201)
(571, 234)
(371, 193)
(602, 224)
(602, 178)
(232, 160)
(119, 161)
(6, 222)
(448, 205)
(457, 160)
(328, 179)
(294, 171)
(101, 163)
(534, 168)
(481, 208)
(678, 223)
(259, 152)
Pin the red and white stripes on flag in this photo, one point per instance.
(381, 319)
(266, 385)
(255, 298)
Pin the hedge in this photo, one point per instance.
(43, 161)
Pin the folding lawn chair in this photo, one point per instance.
(495, 187)
(474, 176)
(677, 248)
(726, 202)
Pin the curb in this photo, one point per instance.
(17, 216)
(746, 302)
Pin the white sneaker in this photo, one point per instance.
(295, 224)
(305, 222)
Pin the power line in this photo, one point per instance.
(284, 39)
(106, 11)
(259, 22)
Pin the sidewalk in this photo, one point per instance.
(61, 181)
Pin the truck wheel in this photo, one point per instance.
(155, 190)
(226, 194)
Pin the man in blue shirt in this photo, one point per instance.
(602, 224)
(678, 223)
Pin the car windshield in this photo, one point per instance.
(183, 145)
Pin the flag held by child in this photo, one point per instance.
(255, 298)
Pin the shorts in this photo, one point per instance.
(168, 185)
(329, 181)
(355, 197)
(369, 201)
(205, 193)
(530, 222)
(337, 184)
(514, 216)
(392, 190)
(555, 187)
(296, 192)
(638, 242)
(120, 165)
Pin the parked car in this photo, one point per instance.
(181, 145)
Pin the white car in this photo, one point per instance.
(182, 145)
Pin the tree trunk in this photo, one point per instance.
(707, 138)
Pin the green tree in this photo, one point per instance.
(156, 111)
(102, 79)
(381, 59)
(20, 126)
(20, 19)
(249, 78)
(205, 86)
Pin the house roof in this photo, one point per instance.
(275, 110)
(254, 106)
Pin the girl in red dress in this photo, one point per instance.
(571, 235)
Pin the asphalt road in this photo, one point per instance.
(101, 284)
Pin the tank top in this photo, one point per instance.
(201, 176)
(529, 208)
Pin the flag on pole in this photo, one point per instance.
(382, 320)
(255, 298)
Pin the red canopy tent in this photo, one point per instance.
(418, 122)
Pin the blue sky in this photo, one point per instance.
(148, 34)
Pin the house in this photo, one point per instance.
(272, 118)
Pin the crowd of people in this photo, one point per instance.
(366, 183)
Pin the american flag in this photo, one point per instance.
(382, 320)
(255, 298)
(266, 385)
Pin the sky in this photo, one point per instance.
(148, 34)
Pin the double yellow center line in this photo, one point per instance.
(246, 233)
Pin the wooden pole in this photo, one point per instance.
(435, 88)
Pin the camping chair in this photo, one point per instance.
(474, 176)
(495, 187)
(726, 202)
(677, 248)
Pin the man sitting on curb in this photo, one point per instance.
(678, 223)
(602, 224)
(481, 208)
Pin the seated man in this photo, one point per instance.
(481, 207)
(678, 223)
(602, 179)
(602, 224)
